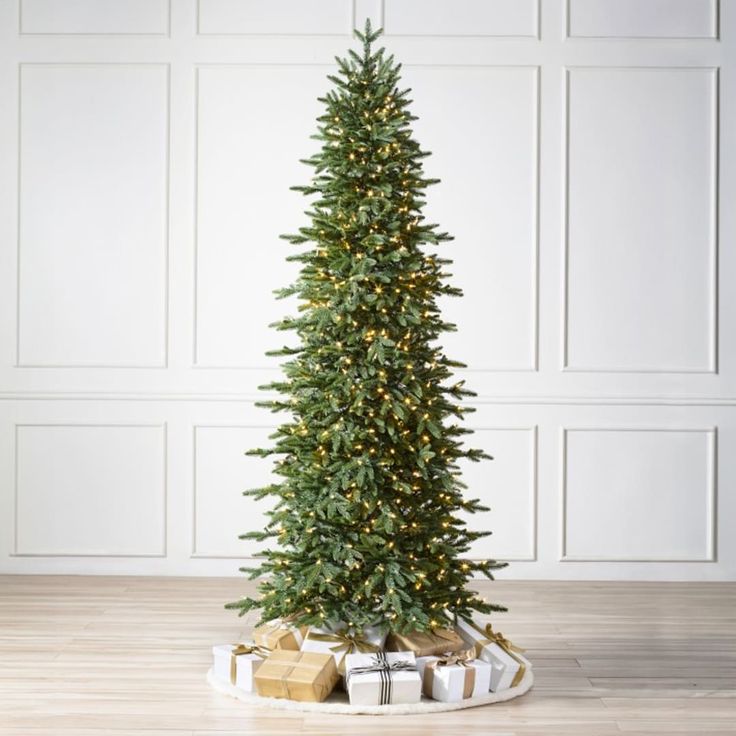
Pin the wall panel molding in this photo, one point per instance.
(94, 17)
(710, 494)
(667, 20)
(71, 328)
(284, 18)
(710, 366)
(463, 18)
(161, 542)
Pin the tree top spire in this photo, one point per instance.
(368, 36)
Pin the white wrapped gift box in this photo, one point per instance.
(453, 682)
(508, 665)
(338, 640)
(234, 664)
(382, 678)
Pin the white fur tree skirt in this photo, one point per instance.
(337, 702)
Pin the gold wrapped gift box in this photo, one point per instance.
(305, 676)
(426, 643)
(279, 635)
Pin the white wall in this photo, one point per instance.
(146, 150)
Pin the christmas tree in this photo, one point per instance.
(366, 517)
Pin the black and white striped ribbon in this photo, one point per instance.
(385, 670)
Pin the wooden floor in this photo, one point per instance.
(85, 656)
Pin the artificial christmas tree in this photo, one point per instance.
(366, 516)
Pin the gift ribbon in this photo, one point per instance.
(463, 659)
(239, 649)
(496, 637)
(345, 642)
(385, 669)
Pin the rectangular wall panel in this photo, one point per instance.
(94, 16)
(254, 17)
(488, 201)
(461, 18)
(244, 203)
(93, 215)
(90, 490)
(507, 485)
(222, 472)
(641, 241)
(643, 18)
(643, 495)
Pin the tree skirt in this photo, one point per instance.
(338, 702)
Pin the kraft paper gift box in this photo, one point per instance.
(339, 640)
(305, 676)
(425, 643)
(454, 677)
(279, 634)
(382, 678)
(493, 647)
(237, 663)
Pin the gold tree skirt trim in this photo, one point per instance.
(338, 702)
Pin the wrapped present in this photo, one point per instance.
(454, 677)
(425, 643)
(493, 647)
(306, 676)
(382, 678)
(340, 640)
(279, 634)
(237, 663)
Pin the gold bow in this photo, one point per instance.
(284, 626)
(496, 637)
(250, 649)
(501, 640)
(345, 642)
(239, 649)
(448, 659)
